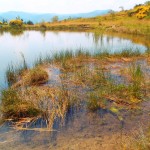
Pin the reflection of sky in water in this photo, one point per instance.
(34, 43)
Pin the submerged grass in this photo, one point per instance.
(104, 90)
(138, 140)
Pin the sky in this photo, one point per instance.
(65, 6)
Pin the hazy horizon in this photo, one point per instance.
(64, 6)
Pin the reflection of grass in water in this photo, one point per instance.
(16, 32)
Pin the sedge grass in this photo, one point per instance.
(13, 71)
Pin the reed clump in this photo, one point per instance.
(35, 76)
(35, 101)
(13, 106)
(28, 77)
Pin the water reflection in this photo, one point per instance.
(16, 32)
(13, 32)
(34, 43)
(43, 33)
(137, 39)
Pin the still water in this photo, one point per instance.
(34, 43)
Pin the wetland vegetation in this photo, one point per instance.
(115, 83)
(86, 93)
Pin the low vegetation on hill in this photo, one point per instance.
(141, 11)
(133, 21)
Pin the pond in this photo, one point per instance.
(34, 43)
(80, 127)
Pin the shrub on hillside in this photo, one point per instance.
(16, 23)
(142, 11)
(30, 22)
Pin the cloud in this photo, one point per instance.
(65, 6)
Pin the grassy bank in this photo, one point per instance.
(120, 22)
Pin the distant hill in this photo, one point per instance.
(35, 17)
